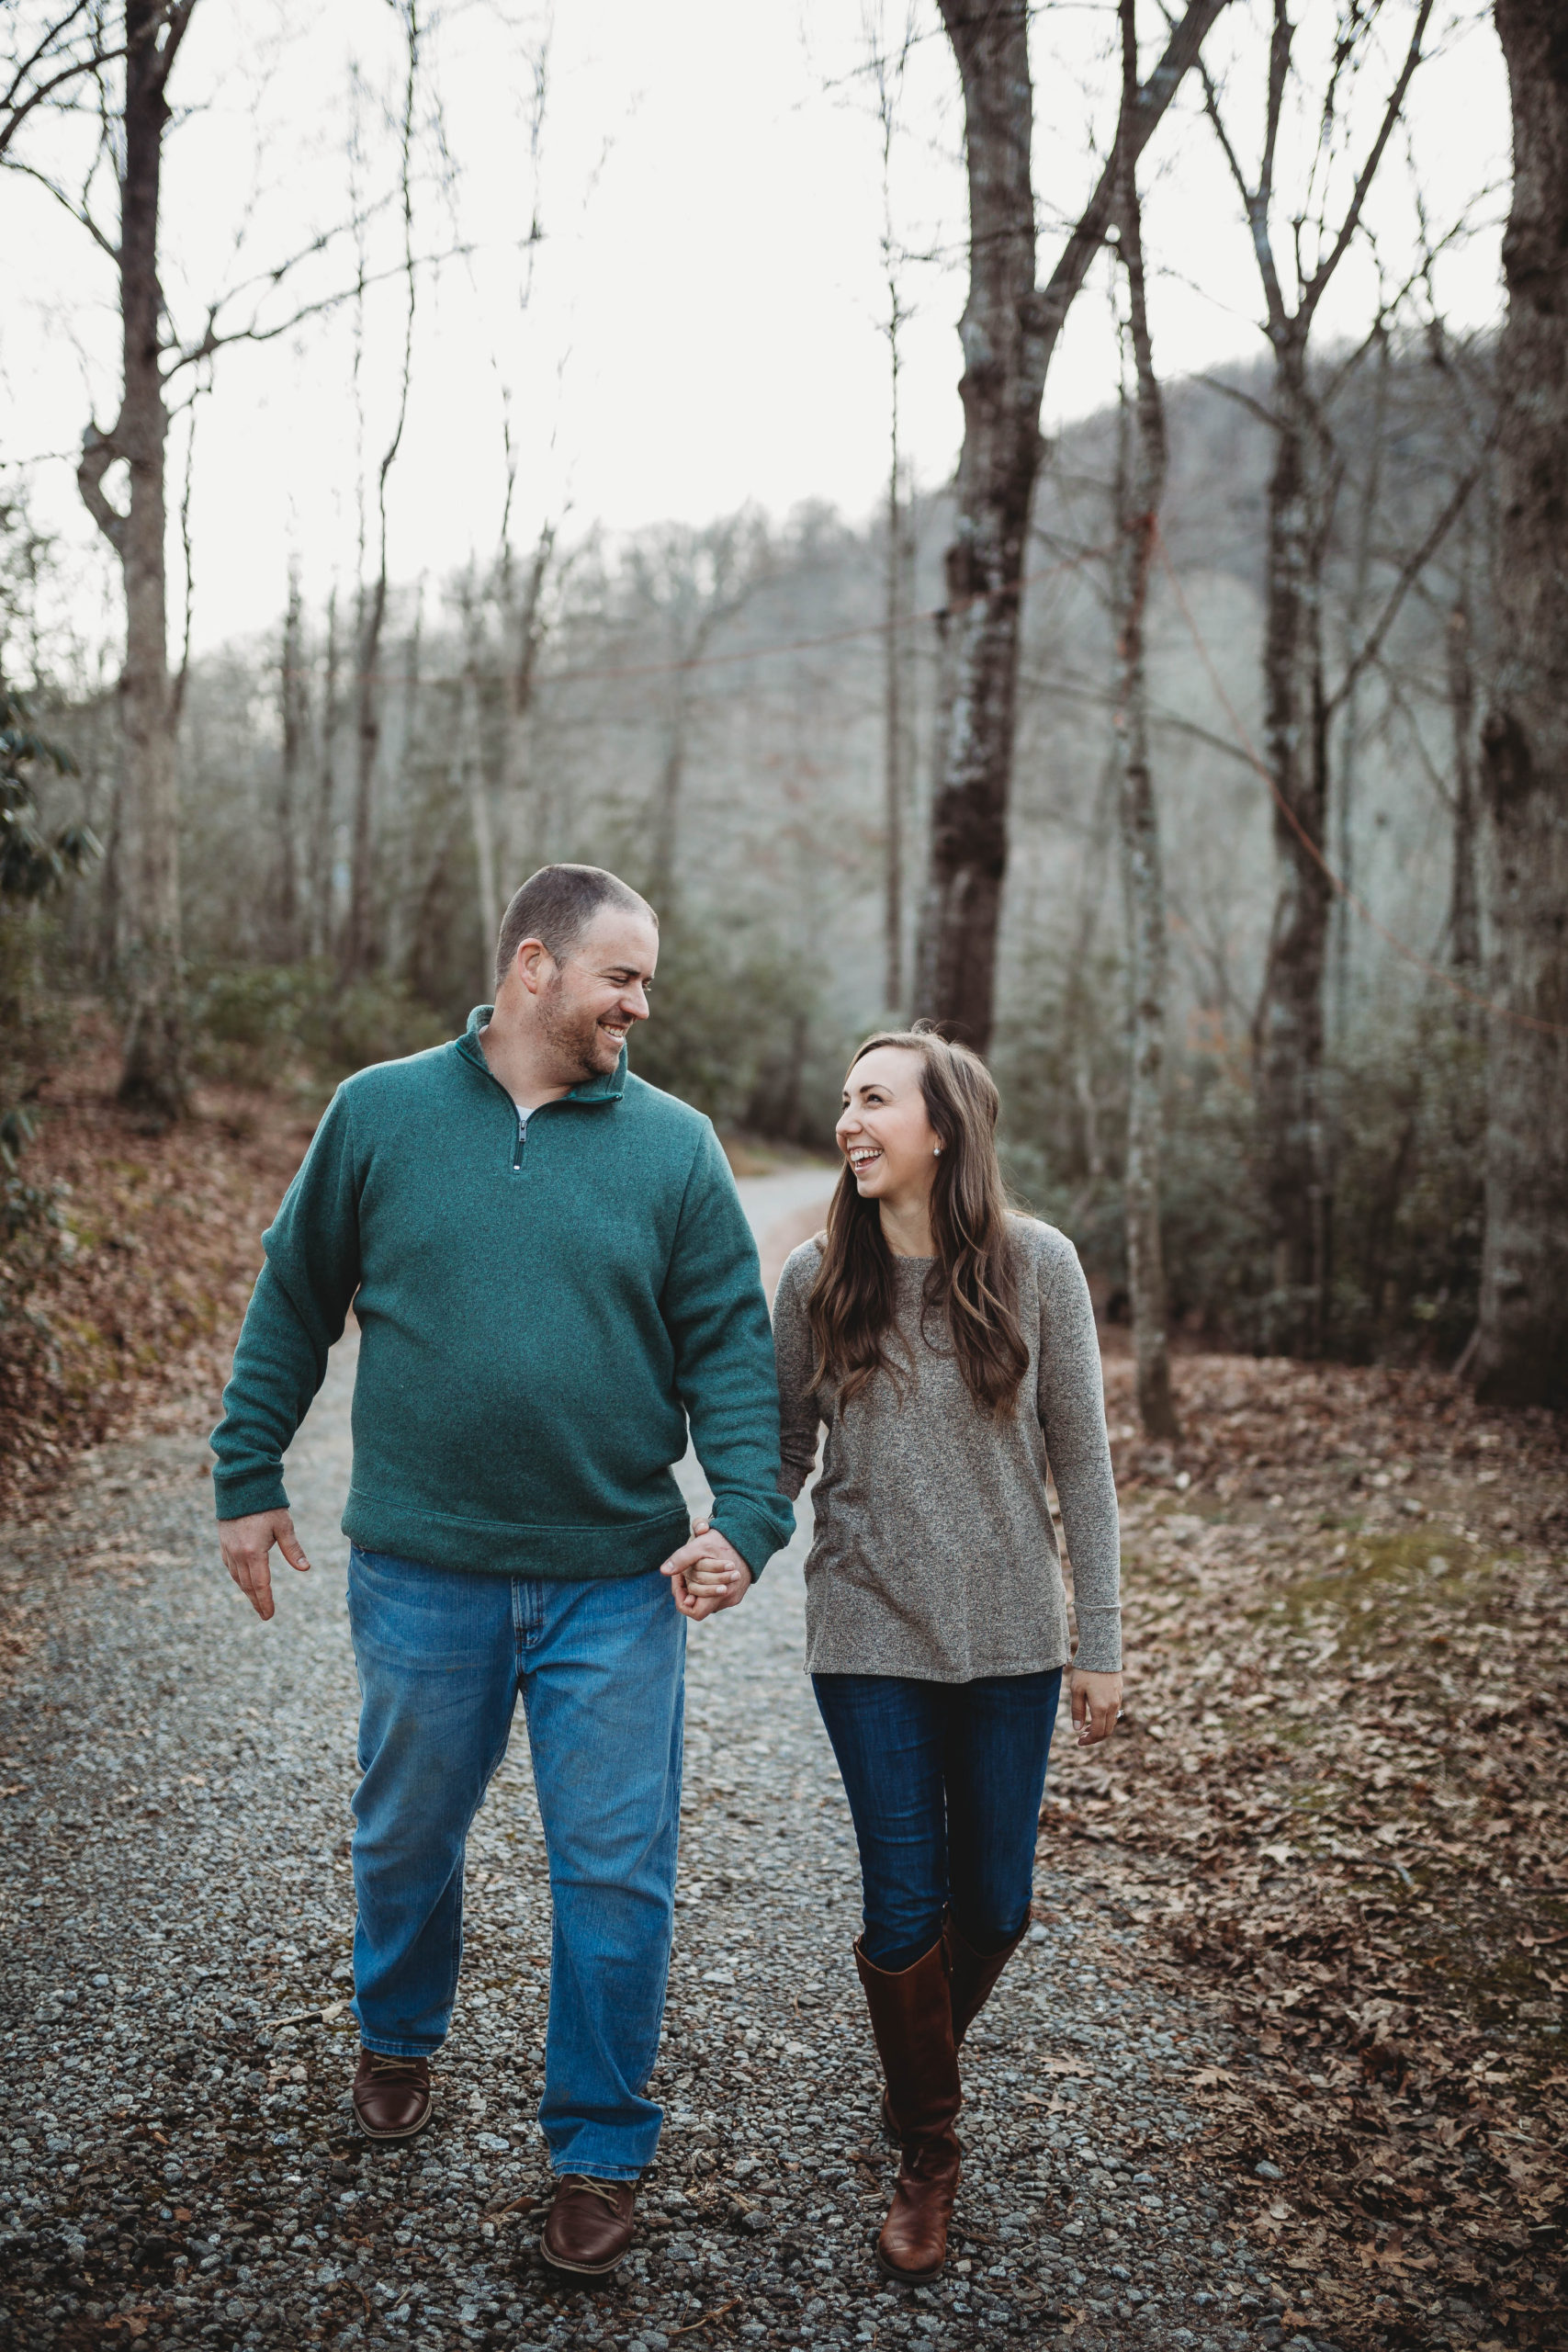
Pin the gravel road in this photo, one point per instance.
(177, 2161)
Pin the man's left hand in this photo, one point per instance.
(707, 1573)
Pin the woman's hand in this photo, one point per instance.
(1097, 1703)
(707, 1573)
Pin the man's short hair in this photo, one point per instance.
(556, 905)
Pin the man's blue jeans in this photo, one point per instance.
(441, 1656)
(944, 1781)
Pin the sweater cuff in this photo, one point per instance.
(754, 1534)
(238, 1494)
(1099, 1641)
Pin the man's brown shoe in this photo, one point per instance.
(589, 2225)
(391, 2096)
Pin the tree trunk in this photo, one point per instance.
(1003, 378)
(152, 1076)
(524, 621)
(1141, 485)
(664, 866)
(1341, 917)
(359, 931)
(295, 712)
(474, 786)
(666, 828)
(359, 947)
(893, 715)
(1465, 899)
(1288, 1029)
(1008, 332)
(1522, 1357)
(323, 847)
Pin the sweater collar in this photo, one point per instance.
(609, 1087)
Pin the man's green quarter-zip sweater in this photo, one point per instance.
(539, 1317)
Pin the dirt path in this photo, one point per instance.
(176, 2161)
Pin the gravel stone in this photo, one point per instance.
(177, 2144)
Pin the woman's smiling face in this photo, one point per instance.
(884, 1130)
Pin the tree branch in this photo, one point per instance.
(176, 21)
(177, 697)
(1372, 645)
(212, 340)
(1234, 392)
(1279, 72)
(99, 452)
(1399, 701)
(16, 102)
(1055, 301)
(1253, 204)
(78, 212)
(1312, 290)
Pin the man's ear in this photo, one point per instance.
(533, 964)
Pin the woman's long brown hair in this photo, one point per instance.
(974, 1282)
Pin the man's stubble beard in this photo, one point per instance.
(573, 1038)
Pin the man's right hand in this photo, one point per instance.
(247, 1545)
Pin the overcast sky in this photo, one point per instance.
(704, 312)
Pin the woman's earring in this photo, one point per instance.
(936, 1151)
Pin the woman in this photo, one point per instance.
(950, 1350)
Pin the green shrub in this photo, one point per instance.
(254, 1023)
(33, 1238)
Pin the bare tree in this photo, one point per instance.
(323, 847)
(888, 68)
(1464, 897)
(358, 951)
(1350, 721)
(701, 579)
(110, 69)
(524, 618)
(467, 776)
(1008, 333)
(1140, 486)
(294, 710)
(1288, 1028)
(153, 1074)
(1522, 1357)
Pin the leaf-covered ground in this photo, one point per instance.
(135, 1319)
(1340, 1798)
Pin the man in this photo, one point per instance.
(551, 1270)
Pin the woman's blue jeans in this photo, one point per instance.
(944, 1781)
(442, 1655)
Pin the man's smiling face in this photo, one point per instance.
(597, 990)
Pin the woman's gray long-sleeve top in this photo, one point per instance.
(935, 1555)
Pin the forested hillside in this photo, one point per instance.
(703, 710)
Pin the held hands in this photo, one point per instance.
(1097, 1702)
(707, 1574)
(247, 1545)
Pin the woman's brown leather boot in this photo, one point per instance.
(973, 1975)
(911, 2019)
